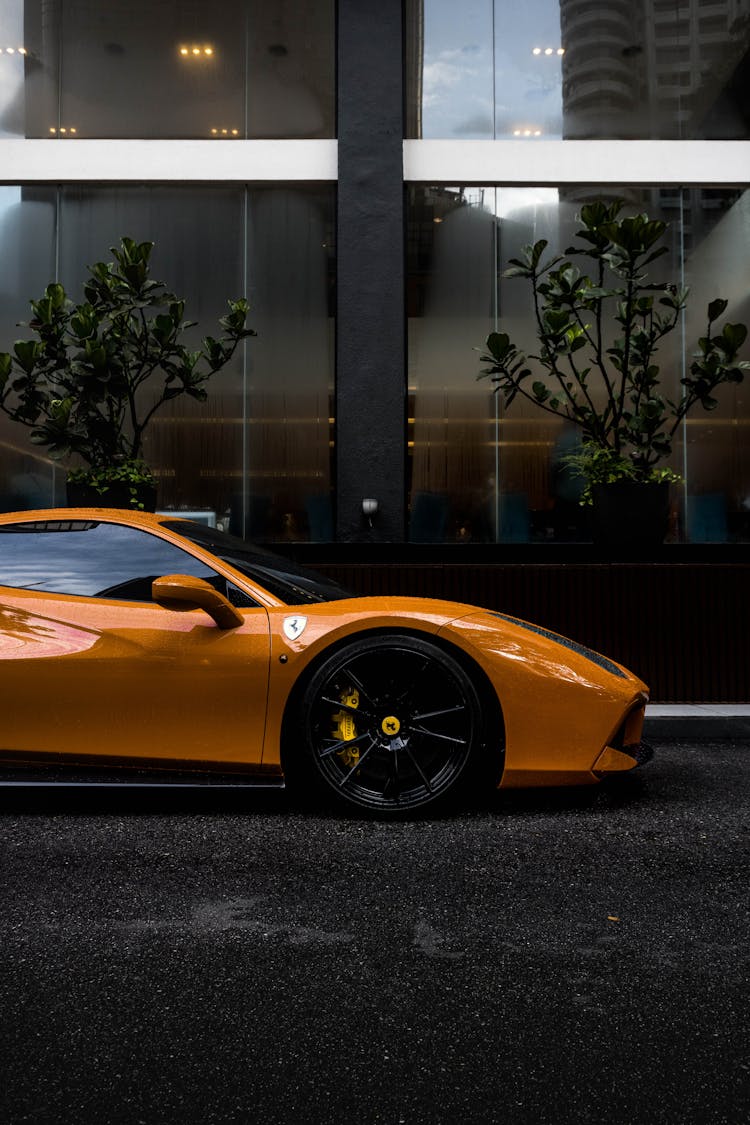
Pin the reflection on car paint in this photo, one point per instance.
(24, 636)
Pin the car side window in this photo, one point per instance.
(95, 559)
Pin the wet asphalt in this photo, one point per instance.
(570, 956)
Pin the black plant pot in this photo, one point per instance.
(630, 514)
(118, 495)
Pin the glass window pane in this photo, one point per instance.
(481, 472)
(449, 70)
(289, 454)
(164, 68)
(258, 452)
(576, 69)
(257, 456)
(27, 249)
(716, 502)
(195, 448)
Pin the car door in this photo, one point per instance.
(90, 667)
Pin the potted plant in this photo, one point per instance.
(596, 366)
(82, 384)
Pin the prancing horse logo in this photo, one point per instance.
(294, 627)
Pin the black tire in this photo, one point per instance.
(391, 723)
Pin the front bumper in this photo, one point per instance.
(619, 760)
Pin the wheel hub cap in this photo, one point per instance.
(390, 726)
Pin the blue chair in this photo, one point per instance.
(319, 517)
(706, 518)
(429, 517)
(515, 521)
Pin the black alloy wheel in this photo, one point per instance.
(391, 723)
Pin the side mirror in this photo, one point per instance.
(182, 591)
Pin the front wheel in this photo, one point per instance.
(391, 723)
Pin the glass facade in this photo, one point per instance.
(259, 458)
(578, 69)
(480, 473)
(72, 69)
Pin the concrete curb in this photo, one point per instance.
(697, 720)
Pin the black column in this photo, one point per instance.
(371, 352)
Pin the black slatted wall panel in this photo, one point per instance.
(685, 629)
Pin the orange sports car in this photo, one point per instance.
(150, 649)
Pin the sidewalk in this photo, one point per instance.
(697, 720)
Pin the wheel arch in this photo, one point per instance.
(493, 723)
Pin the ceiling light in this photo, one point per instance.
(197, 51)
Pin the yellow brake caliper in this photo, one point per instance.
(344, 728)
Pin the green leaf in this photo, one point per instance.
(6, 365)
(27, 352)
(734, 335)
(716, 308)
(499, 346)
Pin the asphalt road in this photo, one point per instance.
(560, 957)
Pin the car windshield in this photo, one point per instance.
(291, 584)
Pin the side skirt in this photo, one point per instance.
(52, 770)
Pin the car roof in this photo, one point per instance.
(115, 515)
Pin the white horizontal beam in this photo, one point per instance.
(549, 163)
(74, 160)
(448, 162)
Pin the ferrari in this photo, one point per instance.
(150, 649)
